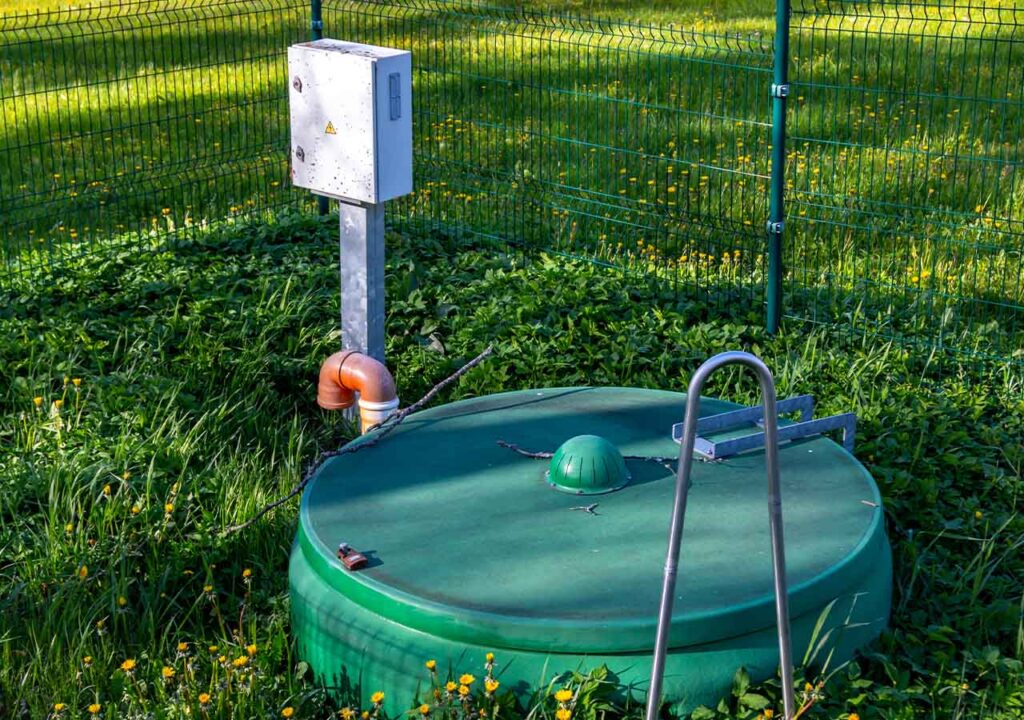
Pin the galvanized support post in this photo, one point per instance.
(776, 209)
(316, 28)
(362, 277)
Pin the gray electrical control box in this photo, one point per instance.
(351, 120)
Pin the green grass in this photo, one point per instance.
(196, 366)
(649, 130)
(136, 150)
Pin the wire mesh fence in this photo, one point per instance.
(643, 146)
(134, 120)
(905, 177)
(626, 143)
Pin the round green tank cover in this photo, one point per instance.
(470, 550)
(587, 465)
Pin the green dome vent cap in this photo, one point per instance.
(587, 465)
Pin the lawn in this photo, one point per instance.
(641, 138)
(152, 399)
(158, 388)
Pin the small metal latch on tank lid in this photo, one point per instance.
(352, 559)
(805, 427)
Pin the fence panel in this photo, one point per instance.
(630, 144)
(905, 178)
(646, 147)
(139, 119)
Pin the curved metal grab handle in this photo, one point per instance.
(771, 451)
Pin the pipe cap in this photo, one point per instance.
(587, 465)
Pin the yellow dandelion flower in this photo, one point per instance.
(125, 475)
(207, 588)
(87, 660)
(166, 211)
(463, 690)
(241, 661)
(70, 527)
(563, 695)
(251, 650)
(288, 712)
(489, 657)
(129, 665)
(182, 647)
(431, 665)
(424, 709)
(853, 716)
(246, 574)
(204, 698)
(768, 714)
(346, 713)
(77, 382)
(467, 679)
(365, 714)
(83, 572)
(167, 672)
(450, 686)
(106, 490)
(491, 684)
(808, 687)
(169, 508)
(978, 514)
(136, 509)
(37, 401)
(95, 708)
(122, 601)
(58, 404)
(213, 648)
(377, 698)
(563, 714)
(59, 707)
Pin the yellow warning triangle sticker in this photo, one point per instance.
(330, 129)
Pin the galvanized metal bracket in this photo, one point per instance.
(780, 91)
(805, 427)
(775, 227)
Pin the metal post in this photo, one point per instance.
(362, 277)
(771, 428)
(316, 27)
(776, 209)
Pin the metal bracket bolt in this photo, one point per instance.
(775, 228)
(780, 91)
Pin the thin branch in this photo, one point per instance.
(544, 454)
(391, 422)
(525, 453)
(385, 429)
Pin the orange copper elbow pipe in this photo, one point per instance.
(348, 372)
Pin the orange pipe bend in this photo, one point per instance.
(348, 372)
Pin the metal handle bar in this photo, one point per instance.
(771, 435)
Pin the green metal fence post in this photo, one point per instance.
(316, 26)
(776, 210)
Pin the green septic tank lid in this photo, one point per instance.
(467, 542)
(587, 465)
